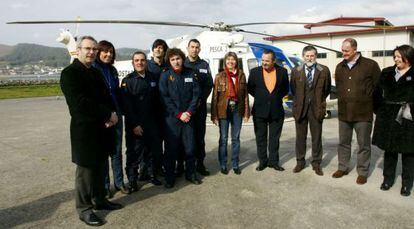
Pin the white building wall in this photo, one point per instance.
(366, 44)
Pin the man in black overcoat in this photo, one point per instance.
(91, 130)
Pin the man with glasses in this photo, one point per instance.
(91, 130)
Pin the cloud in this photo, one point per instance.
(19, 5)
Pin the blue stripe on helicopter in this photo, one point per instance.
(257, 50)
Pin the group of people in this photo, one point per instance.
(164, 103)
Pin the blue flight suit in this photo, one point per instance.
(202, 74)
(179, 93)
(140, 96)
(156, 69)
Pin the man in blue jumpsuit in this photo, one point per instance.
(156, 65)
(140, 95)
(179, 92)
(203, 76)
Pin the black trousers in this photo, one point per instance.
(146, 149)
(200, 133)
(268, 133)
(390, 165)
(89, 187)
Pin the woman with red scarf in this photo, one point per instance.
(229, 104)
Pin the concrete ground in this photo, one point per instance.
(37, 184)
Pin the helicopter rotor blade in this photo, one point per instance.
(309, 23)
(270, 35)
(112, 22)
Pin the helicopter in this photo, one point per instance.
(216, 40)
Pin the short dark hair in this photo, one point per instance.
(352, 42)
(406, 52)
(173, 52)
(193, 40)
(309, 48)
(230, 54)
(105, 46)
(159, 42)
(268, 51)
(138, 53)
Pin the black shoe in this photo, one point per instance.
(405, 191)
(143, 176)
(155, 181)
(194, 179)
(277, 167)
(133, 187)
(237, 171)
(123, 189)
(168, 185)
(107, 205)
(224, 171)
(109, 194)
(91, 219)
(202, 170)
(179, 171)
(261, 167)
(385, 186)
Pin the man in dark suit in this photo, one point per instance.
(268, 85)
(91, 130)
(310, 85)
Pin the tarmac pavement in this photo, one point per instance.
(37, 183)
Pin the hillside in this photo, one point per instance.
(22, 54)
(5, 50)
(33, 54)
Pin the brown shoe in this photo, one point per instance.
(361, 179)
(298, 168)
(339, 174)
(318, 170)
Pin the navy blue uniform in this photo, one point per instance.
(203, 76)
(140, 101)
(179, 93)
(156, 69)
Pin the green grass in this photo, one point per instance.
(12, 92)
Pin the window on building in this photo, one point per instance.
(321, 55)
(379, 53)
(339, 55)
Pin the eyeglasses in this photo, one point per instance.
(88, 49)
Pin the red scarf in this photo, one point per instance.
(232, 87)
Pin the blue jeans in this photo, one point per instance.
(235, 120)
(116, 158)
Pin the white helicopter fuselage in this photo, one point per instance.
(214, 45)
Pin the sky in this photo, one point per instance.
(192, 11)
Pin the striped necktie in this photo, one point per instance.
(309, 75)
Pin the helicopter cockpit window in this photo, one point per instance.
(252, 63)
(280, 63)
(220, 67)
(296, 61)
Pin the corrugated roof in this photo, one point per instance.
(352, 20)
(341, 33)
